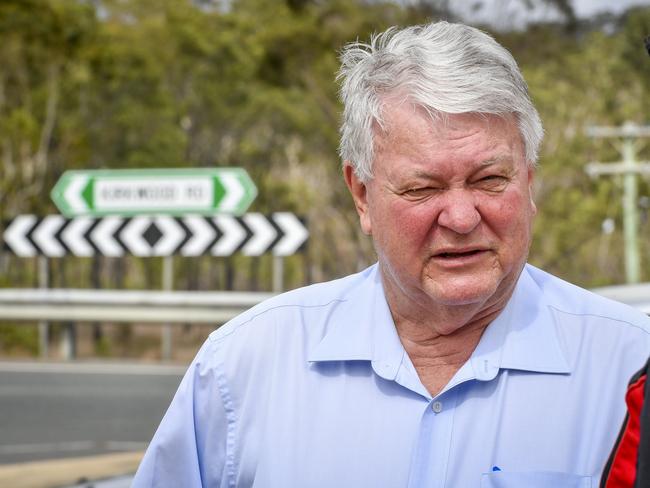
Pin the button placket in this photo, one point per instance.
(430, 459)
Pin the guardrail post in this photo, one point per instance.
(43, 325)
(168, 285)
(278, 274)
(68, 341)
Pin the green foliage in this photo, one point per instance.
(173, 83)
(586, 81)
(18, 339)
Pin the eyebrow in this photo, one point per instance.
(426, 175)
(483, 164)
(495, 160)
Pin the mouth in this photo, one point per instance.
(460, 253)
(460, 258)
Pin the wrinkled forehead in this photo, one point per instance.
(404, 122)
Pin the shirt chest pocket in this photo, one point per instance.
(534, 479)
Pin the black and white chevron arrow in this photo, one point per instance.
(252, 234)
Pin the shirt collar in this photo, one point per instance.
(523, 337)
(362, 328)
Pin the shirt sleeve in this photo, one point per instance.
(189, 447)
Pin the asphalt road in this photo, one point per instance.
(58, 410)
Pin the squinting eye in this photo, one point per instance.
(419, 192)
(492, 181)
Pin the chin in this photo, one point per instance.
(460, 293)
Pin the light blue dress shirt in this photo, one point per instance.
(314, 389)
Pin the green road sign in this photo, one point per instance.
(154, 191)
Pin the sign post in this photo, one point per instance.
(161, 191)
(630, 168)
(43, 325)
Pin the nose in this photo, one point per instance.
(459, 212)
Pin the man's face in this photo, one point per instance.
(449, 207)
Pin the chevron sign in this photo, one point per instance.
(252, 234)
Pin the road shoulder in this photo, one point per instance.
(62, 472)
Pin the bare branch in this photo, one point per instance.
(50, 118)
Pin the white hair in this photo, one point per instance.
(442, 67)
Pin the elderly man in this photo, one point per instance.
(450, 363)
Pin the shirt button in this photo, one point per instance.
(436, 407)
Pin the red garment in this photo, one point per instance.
(623, 468)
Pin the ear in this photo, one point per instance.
(359, 193)
(531, 188)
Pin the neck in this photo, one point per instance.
(422, 318)
(446, 339)
(440, 339)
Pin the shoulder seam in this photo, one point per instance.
(616, 319)
(253, 317)
(231, 462)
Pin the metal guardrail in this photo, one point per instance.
(634, 295)
(124, 306)
(180, 306)
(168, 307)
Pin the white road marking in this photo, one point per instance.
(71, 446)
(44, 447)
(92, 368)
(125, 445)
